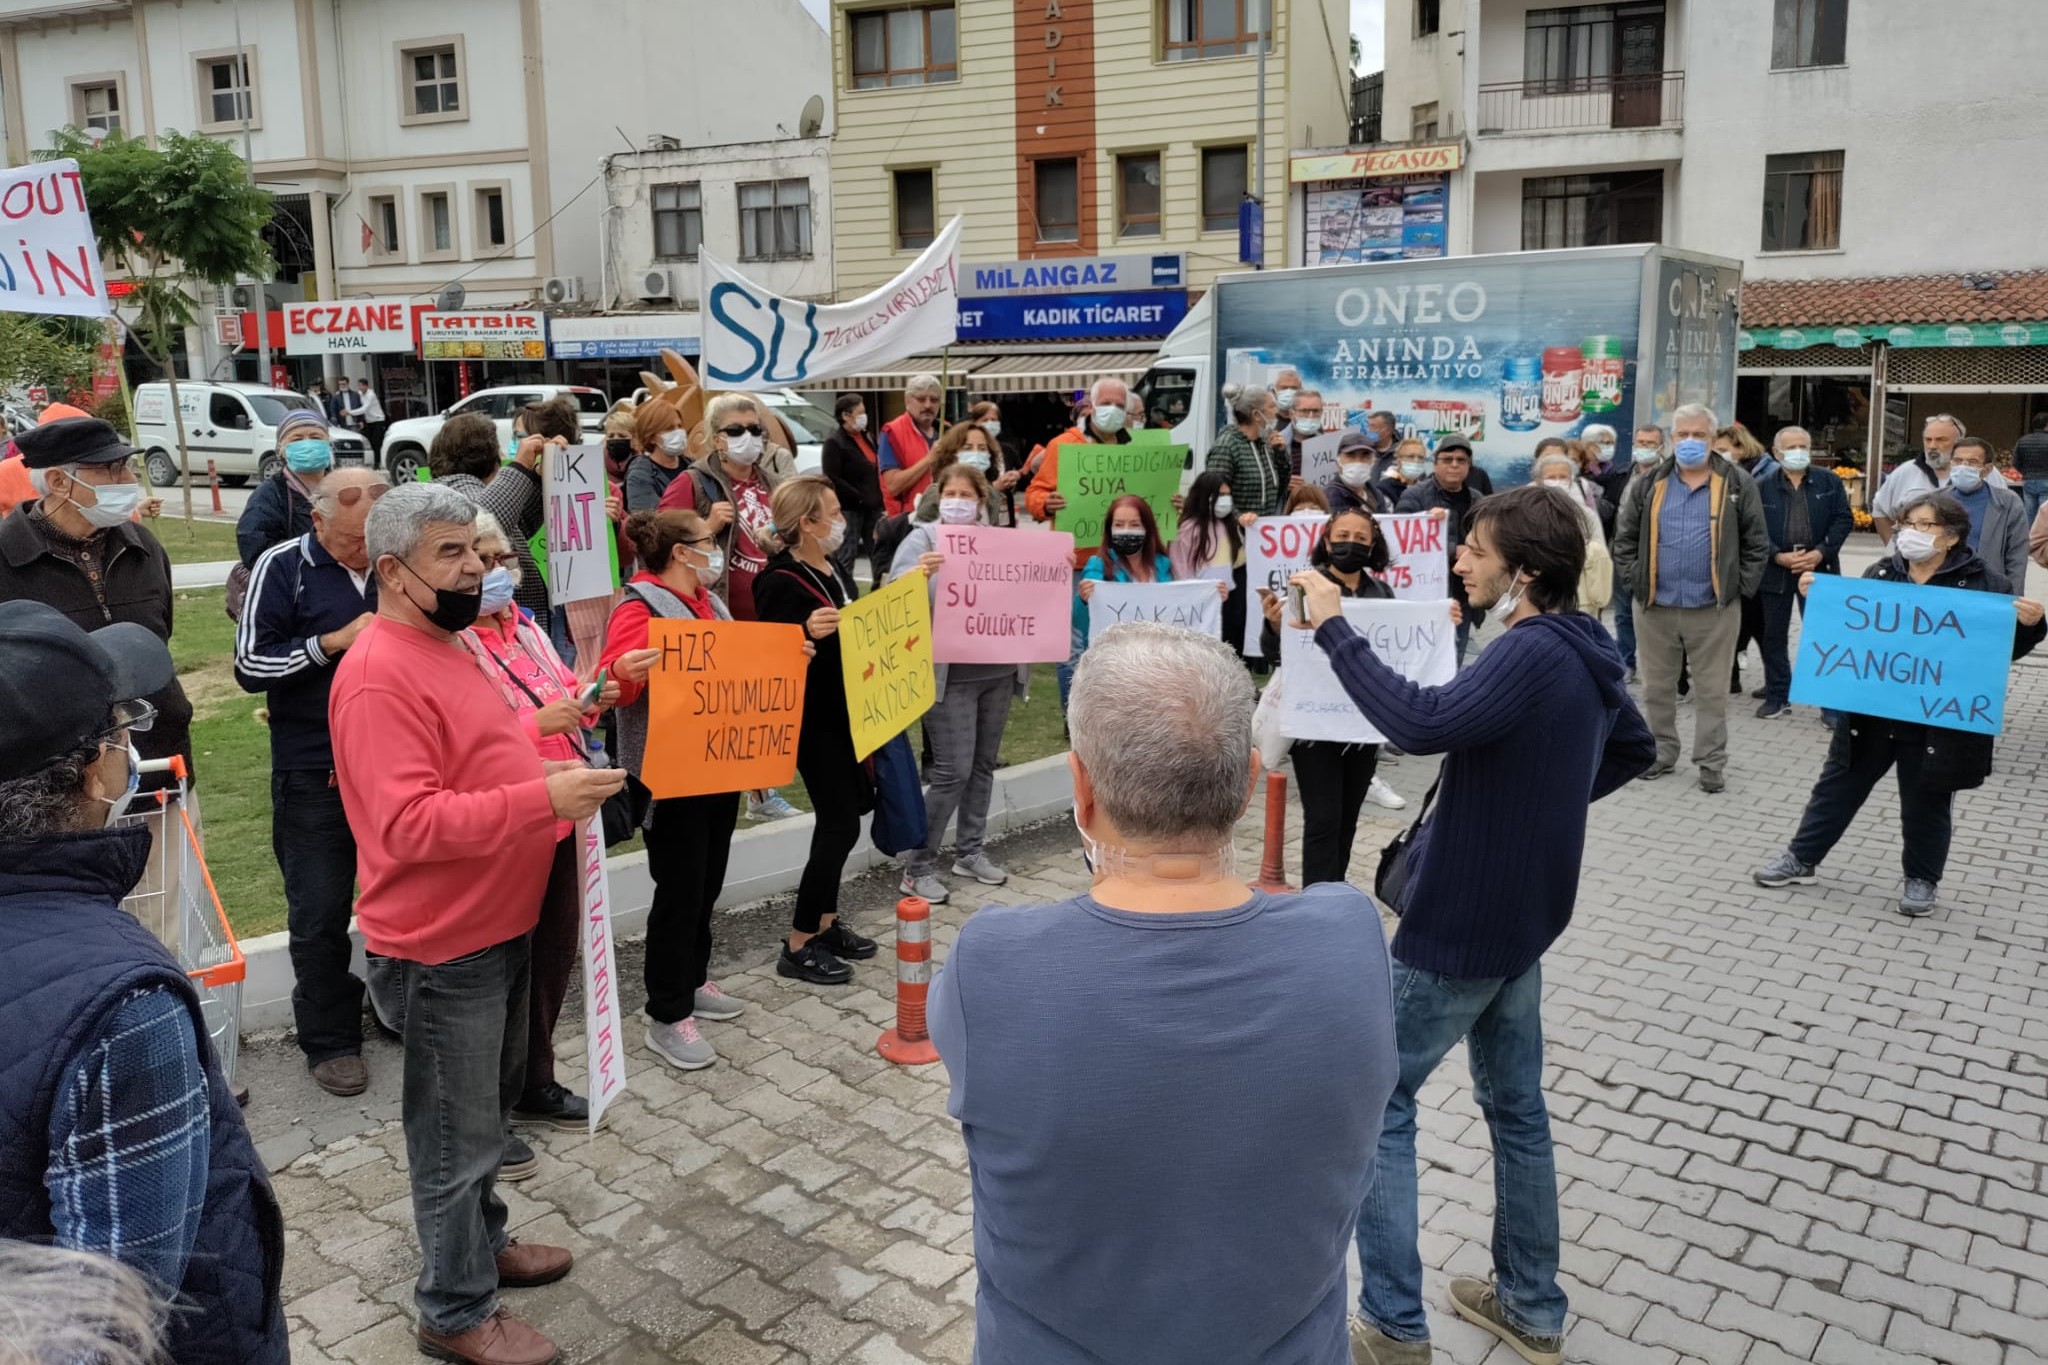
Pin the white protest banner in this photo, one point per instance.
(1194, 605)
(1420, 571)
(1415, 639)
(603, 1043)
(754, 338)
(52, 262)
(1277, 549)
(1319, 458)
(579, 534)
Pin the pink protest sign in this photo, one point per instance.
(1003, 596)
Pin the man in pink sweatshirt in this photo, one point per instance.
(454, 816)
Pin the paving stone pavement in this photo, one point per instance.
(1791, 1125)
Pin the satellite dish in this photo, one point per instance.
(451, 299)
(813, 118)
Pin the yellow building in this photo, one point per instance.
(1113, 139)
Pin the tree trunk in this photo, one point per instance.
(178, 425)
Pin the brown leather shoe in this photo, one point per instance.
(527, 1265)
(499, 1339)
(343, 1076)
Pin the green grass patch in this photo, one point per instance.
(192, 542)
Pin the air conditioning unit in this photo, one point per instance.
(655, 282)
(562, 289)
(243, 297)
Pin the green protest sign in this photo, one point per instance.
(1151, 436)
(1092, 476)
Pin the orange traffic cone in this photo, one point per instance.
(909, 1044)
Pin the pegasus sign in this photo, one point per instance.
(757, 339)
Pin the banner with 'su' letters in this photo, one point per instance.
(1003, 596)
(1906, 651)
(885, 651)
(725, 703)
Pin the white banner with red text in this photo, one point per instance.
(604, 1041)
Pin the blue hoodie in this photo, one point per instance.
(1537, 728)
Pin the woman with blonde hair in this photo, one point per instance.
(803, 586)
(731, 487)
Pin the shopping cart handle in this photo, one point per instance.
(174, 765)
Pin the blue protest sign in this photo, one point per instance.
(1936, 656)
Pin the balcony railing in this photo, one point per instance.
(1583, 104)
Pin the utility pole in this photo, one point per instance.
(1259, 174)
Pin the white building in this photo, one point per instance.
(412, 145)
(1872, 164)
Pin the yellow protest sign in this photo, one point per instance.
(724, 705)
(885, 651)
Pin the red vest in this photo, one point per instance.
(909, 446)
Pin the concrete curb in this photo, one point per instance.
(212, 574)
(766, 861)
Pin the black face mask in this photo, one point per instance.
(453, 611)
(1349, 556)
(1127, 542)
(618, 448)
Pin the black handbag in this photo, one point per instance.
(1390, 882)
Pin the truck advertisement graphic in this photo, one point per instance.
(1501, 350)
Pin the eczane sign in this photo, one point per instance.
(349, 326)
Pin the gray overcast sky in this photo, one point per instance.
(1366, 16)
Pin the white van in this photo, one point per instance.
(406, 443)
(1179, 390)
(234, 425)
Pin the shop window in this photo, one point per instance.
(1809, 33)
(678, 221)
(1803, 201)
(1056, 199)
(911, 46)
(916, 209)
(1137, 195)
(1225, 178)
(1592, 210)
(1197, 29)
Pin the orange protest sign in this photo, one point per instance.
(724, 705)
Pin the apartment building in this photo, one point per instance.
(1099, 152)
(411, 147)
(1869, 163)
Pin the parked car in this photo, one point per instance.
(406, 442)
(232, 424)
(808, 423)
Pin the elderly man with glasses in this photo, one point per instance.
(309, 597)
(78, 549)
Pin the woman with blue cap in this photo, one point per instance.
(281, 507)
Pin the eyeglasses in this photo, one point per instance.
(1934, 527)
(118, 471)
(349, 497)
(736, 431)
(502, 559)
(699, 545)
(135, 716)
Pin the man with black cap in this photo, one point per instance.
(76, 549)
(1446, 492)
(118, 1134)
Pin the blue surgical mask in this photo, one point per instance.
(1795, 459)
(498, 589)
(1967, 478)
(1691, 452)
(975, 459)
(309, 456)
(1646, 454)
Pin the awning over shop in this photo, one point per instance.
(1904, 312)
(1041, 373)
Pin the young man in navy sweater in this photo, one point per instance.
(1538, 727)
(309, 597)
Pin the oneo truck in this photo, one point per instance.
(1501, 349)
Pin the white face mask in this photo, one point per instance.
(1646, 455)
(1505, 605)
(1225, 505)
(1355, 473)
(1916, 545)
(993, 427)
(1309, 429)
(834, 537)
(117, 806)
(743, 450)
(1108, 419)
(713, 567)
(1285, 397)
(860, 421)
(116, 503)
(975, 459)
(1559, 483)
(1966, 478)
(1137, 424)
(959, 511)
(675, 442)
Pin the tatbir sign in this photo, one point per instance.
(724, 706)
(1905, 651)
(1003, 596)
(51, 263)
(886, 653)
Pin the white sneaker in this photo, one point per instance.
(715, 1005)
(981, 869)
(772, 808)
(1380, 794)
(681, 1045)
(927, 888)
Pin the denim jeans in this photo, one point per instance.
(1501, 1022)
(316, 852)
(1624, 619)
(2035, 491)
(465, 1063)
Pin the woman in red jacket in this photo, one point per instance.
(688, 837)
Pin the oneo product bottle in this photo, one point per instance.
(1521, 393)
